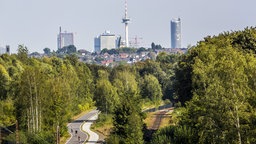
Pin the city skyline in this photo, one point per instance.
(35, 23)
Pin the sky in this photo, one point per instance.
(35, 23)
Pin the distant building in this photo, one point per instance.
(65, 39)
(176, 33)
(5, 50)
(106, 40)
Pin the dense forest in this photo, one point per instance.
(212, 87)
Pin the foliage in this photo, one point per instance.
(174, 135)
(216, 83)
(67, 50)
(118, 51)
(127, 116)
(106, 96)
(43, 94)
(246, 39)
(151, 88)
(22, 52)
(103, 119)
(47, 51)
(141, 49)
(154, 46)
(7, 109)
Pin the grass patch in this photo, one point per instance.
(149, 120)
(104, 124)
(151, 117)
(166, 120)
(64, 138)
(147, 104)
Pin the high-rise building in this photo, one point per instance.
(106, 40)
(65, 39)
(176, 33)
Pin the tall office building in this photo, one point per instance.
(176, 33)
(106, 40)
(65, 39)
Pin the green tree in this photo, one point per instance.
(183, 81)
(85, 87)
(174, 135)
(106, 96)
(127, 116)
(67, 50)
(47, 51)
(219, 110)
(71, 49)
(105, 50)
(30, 97)
(153, 45)
(245, 39)
(151, 88)
(4, 83)
(7, 115)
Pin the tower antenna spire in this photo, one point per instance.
(125, 8)
(126, 20)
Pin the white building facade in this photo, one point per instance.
(65, 39)
(5, 50)
(176, 33)
(106, 40)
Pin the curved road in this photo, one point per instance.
(94, 137)
(74, 128)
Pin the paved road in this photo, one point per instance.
(94, 137)
(74, 128)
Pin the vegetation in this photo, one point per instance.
(38, 93)
(215, 82)
(131, 50)
(104, 124)
(212, 86)
(42, 94)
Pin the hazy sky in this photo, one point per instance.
(35, 23)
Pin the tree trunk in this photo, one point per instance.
(238, 126)
(36, 105)
(237, 116)
(28, 119)
(31, 105)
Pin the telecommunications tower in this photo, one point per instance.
(126, 20)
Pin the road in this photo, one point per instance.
(74, 128)
(94, 137)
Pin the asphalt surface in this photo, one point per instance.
(74, 128)
(94, 137)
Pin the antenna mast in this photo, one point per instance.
(126, 20)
